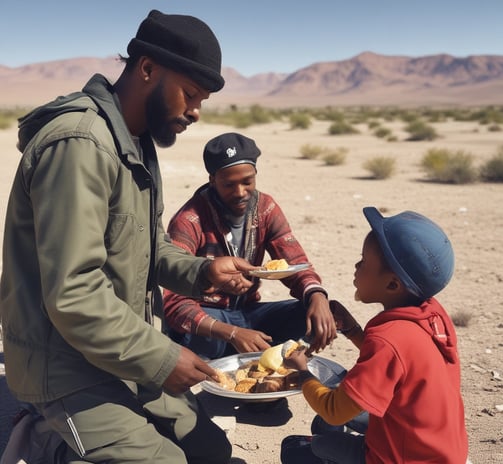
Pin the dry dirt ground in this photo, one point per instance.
(324, 206)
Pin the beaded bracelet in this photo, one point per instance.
(212, 323)
(233, 334)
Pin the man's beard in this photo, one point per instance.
(156, 111)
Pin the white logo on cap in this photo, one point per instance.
(231, 151)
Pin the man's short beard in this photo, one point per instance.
(156, 111)
(166, 141)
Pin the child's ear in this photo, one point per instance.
(394, 285)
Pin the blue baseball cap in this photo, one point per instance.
(416, 249)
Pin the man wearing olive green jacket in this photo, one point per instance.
(84, 252)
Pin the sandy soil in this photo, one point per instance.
(324, 205)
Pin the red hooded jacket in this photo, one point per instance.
(408, 378)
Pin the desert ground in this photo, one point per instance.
(324, 206)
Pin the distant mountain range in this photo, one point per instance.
(366, 79)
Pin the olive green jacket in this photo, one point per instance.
(84, 245)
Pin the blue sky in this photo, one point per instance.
(257, 35)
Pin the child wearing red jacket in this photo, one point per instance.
(407, 375)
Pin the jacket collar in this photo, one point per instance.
(103, 94)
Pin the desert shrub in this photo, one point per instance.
(341, 128)
(409, 116)
(459, 114)
(488, 115)
(382, 132)
(241, 118)
(381, 167)
(373, 124)
(435, 116)
(233, 117)
(5, 122)
(260, 115)
(461, 318)
(494, 128)
(256, 114)
(308, 151)
(442, 165)
(332, 114)
(300, 121)
(335, 157)
(492, 170)
(309, 220)
(419, 130)
(8, 117)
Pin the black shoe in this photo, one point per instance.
(296, 449)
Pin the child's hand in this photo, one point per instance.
(296, 360)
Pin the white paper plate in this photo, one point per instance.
(328, 372)
(280, 274)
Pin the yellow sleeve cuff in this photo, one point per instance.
(332, 404)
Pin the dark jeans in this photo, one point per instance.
(329, 444)
(282, 320)
(358, 424)
(339, 448)
(330, 447)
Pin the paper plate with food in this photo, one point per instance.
(261, 376)
(276, 269)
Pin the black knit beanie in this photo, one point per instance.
(182, 43)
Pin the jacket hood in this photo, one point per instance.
(96, 94)
(32, 122)
(432, 318)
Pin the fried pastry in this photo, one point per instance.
(225, 380)
(269, 384)
(276, 265)
(246, 385)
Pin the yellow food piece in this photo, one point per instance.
(272, 358)
(276, 265)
